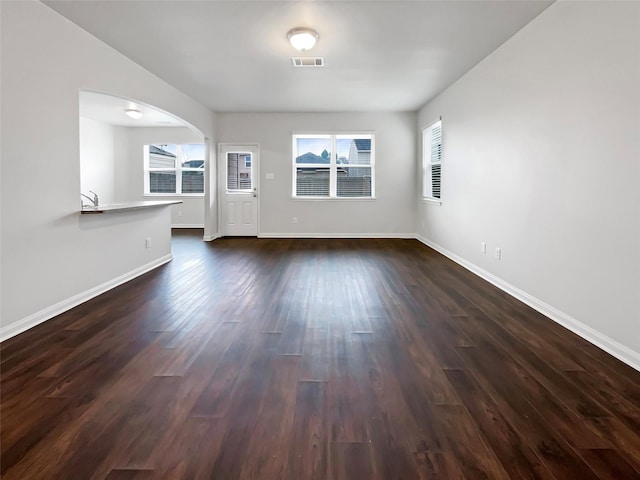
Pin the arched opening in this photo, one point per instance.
(131, 151)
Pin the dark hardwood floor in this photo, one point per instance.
(312, 359)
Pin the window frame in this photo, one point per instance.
(428, 163)
(179, 169)
(332, 165)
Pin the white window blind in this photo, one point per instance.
(432, 160)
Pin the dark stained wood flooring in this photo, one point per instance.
(312, 359)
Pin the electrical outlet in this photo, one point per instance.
(483, 247)
(179, 213)
(294, 219)
(147, 242)
(269, 176)
(498, 253)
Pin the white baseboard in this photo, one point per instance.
(209, 238)
(337, 235)
(613, 347)
(37, 318)
(188, 225)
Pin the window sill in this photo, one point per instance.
(173, 195)
(333, 199)
(239, 192)
(432, 201)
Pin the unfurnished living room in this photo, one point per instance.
(319, 239)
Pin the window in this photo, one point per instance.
(333, 166)
(174, 169)
(431, 160)
(239, 178)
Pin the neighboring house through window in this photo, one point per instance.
(172, 169)
(333, 166)
(239, 171)
(432, 160)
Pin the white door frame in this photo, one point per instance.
(254, 148)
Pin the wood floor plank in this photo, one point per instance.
(315, 357)
(516, 456)
(347, 422)
(475, 458)
(121, 474)
(197, 451)
(308, 454)
(512, 398)
(437, 465)
(549, 391)
(391, 433)
(216, 397)
(350, 460)
(608, 464)
(191, 451)
(245, 406)
(20, 437)
(621, 437)
(374, 359)
(610, 399)
(275, 422)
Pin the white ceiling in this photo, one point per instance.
(108, 109)
(234, 55)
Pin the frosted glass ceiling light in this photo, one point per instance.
(302, 38)
(133, 113)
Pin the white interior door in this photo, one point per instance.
(239, 174)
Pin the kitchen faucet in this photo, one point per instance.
(93, 200)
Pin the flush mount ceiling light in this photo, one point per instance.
(302, 38)
(133, 113)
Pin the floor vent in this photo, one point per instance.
(307, 61)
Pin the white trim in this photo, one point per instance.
(174, 195)
(337, 235)
(431, 200)
(37, 318)
(187, 225)
(613, 347)
(432, 122)
(326, 133)
(209, 238)
(332, 199)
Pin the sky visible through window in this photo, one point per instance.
(193, 151)
(189, 152)
(318, 145)
(169, 148)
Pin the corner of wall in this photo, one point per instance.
(612, 347)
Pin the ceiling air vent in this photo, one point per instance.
(307, 61)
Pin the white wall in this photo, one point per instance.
(97, 160)
(50, 253)
(129, 169)
(392, 213)
(541, 157)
